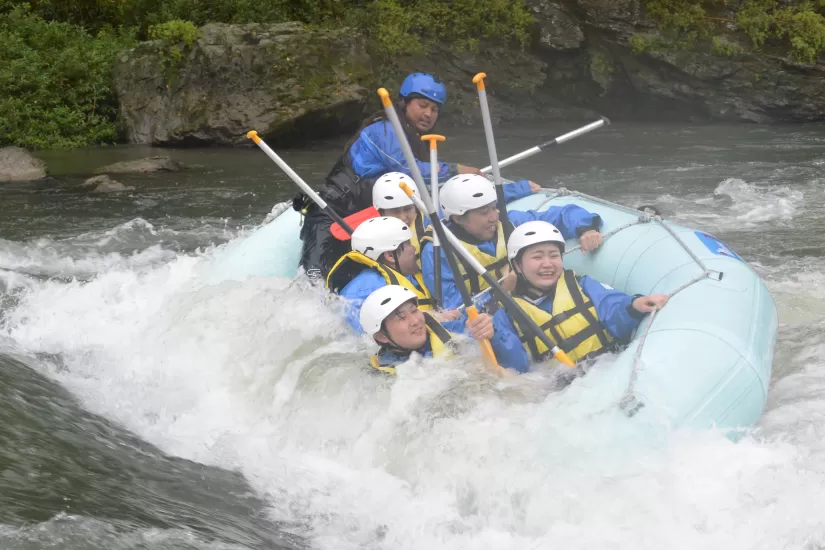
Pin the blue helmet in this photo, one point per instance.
(425, 85)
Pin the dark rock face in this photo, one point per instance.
(293, 84)
(281, 80)
(604, 73)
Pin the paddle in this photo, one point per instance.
(434, 139)
(557, 141)
(472, 312)
(253, 135)
(478, 80)
(505, 299)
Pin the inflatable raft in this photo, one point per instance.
(703, 361)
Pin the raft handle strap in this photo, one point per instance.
(628, 403)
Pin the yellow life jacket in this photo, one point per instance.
(352, 263)
(440, 343)
(421, 235)
(573, 324)
(497, 265)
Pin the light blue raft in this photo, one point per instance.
(703, 361)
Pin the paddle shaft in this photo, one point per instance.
(556, 141)
(422, 188)
(491, 150)
(434, 139)
(253, 135)
(429, 208)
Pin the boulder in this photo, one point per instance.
(287, 82)
(558, 30)
(142, 166)
(105, 184)
(602, 71)
(17, 164)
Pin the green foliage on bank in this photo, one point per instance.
(795, 28)
(56, 56)
(56, 87)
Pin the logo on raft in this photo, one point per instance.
(716, 246)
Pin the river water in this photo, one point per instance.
(144, 408)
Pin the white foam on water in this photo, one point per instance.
(90, 253)
(71, 531)
(264, 377)
(738, 205)
(753, 205)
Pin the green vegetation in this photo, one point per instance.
(55, 82)
(56, 56)
(177, 36)
(784, 27)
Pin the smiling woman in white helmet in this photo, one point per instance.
(391, 316)
(381, 255)
(469, 205)
(580, 315)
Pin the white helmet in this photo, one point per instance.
(387, 194)
(378, 235)
(531, 233)
(466, 192)
(380, 304)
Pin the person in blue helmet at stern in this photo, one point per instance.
(372, 152)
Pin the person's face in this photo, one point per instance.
(422, 113)
(406, 259)
(541, 264)
(405, 327)
(481, 222)
(404, 213)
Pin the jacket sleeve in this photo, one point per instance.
(451, 297)
(613, 308)
(376, 151)
(516, 190)
(356, 291)
(570, 219)
(506, 344)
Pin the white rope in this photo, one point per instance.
(628, 402)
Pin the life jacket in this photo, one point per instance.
(441, 345)
(497, 265)
(353, 263)
(421, 235)
(573, 324)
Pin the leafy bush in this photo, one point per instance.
(796, 27)
(56, 56)
(177, 35)
(56, 87)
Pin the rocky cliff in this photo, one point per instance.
(293, 84)
(281, 79)
(586, 45)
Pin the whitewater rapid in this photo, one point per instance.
(263, 377)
